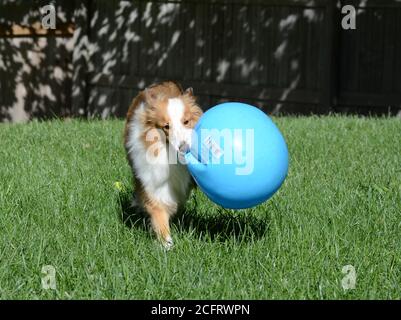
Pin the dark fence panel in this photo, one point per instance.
(285, 56)
(370, 65)
(268, 53)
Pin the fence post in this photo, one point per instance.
(330, 57)
(80, 59)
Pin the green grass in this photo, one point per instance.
(340, 205)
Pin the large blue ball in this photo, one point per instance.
(257, 149)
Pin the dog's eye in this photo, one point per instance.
(166, 126)
(186, 122)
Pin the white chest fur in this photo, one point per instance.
(163, 181)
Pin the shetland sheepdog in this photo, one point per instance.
(158, 131)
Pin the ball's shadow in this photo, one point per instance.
(222, 225)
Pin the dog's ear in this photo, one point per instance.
(150, 96)
(189, 91)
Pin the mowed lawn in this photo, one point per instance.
(340, 205)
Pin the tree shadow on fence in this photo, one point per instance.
(35, 71)
(225, 51)
(274, 56)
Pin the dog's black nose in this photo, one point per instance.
(184, 147)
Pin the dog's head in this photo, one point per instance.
(173, 111)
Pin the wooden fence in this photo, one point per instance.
(286, 56)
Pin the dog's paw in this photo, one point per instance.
(168, 243)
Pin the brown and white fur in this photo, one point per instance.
(160, 117)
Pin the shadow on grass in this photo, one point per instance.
(222, 225)
(131, 216)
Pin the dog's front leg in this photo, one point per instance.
(159, 217)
